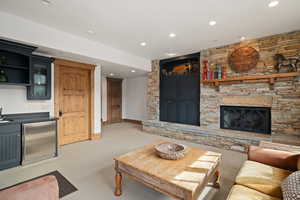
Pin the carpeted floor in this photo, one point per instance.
(89, 167)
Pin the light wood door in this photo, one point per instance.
(73, 103)
(114, 90)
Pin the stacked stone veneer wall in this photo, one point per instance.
(153, 92)
(285, 106)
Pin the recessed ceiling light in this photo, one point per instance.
(46, 2)
(212, 23)
(91, 32)
(133, 71)
(273, 4)
(171, 54)
(172, 35)
(111, 74)
(143, 44)
(243, 38)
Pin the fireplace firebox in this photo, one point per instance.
(251, 119)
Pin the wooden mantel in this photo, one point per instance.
(269, 78)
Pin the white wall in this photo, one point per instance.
(97, 100)
(13, 99)
(104, 98)
(124, 82)
(135, 98)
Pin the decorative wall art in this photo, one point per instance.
(243, 59)
(286, 64)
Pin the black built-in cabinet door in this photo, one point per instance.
(40, 88)
(180, 98)
(10, 146)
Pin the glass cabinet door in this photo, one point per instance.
(40, 78)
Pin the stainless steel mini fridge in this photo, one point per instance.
(39, 141)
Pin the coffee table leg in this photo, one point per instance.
(118, 179)
(216, 183)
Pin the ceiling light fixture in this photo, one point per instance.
(273, 4)
(133, 71)
(143, 44)
(243, 38)
(171, 54)
(91, 32)
(46, 2)
(111, 74)
(212, 23)
(172, 35)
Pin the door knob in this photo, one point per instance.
(60, 113)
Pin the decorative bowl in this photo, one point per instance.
(171, 151)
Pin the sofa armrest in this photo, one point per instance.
(278, 146)
(276, 158)
(45, 188)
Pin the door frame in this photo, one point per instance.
(58, 63)
(108, 98)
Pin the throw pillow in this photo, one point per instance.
(291, 187)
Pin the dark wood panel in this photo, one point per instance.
(180, 98)
(15, 61)
(10, 146)
(10, 128)
(114, 95)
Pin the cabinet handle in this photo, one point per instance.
(61, 113)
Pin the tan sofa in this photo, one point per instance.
(262, 174)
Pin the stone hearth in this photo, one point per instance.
(225, 139)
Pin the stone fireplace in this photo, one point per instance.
(246, 113)
(282, 102)
(242, 118)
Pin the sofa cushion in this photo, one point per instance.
(239, 192)
(263, 178)
(276, 158)
(291, 187)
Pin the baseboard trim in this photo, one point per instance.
(104, 123)
(139, 122)
(96, 136)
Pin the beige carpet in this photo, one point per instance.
(89, 166)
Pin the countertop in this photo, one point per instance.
(27, 118)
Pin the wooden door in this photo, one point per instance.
(114, 91)
(73, 102)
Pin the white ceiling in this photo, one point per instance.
(120, 71)
(107, 68)
(123, 24)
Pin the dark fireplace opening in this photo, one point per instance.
(251, 119)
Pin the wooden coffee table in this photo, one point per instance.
(181, 179)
